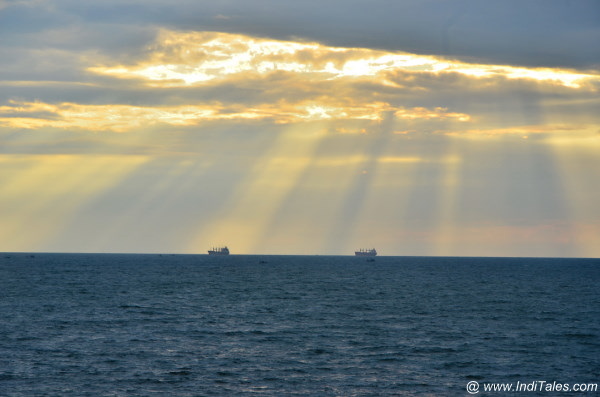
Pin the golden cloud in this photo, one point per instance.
(122, 118)
(554, 132)
(192, 58)
(278, 81)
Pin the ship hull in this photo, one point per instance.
(359, 253)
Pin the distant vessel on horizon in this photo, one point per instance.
(219, 251)
(366, 252)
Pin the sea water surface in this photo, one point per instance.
(194, 325)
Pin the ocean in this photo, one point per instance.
(242, 325)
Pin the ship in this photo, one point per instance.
(219, 251)
(366, 252)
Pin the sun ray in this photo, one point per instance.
(359, 191)
(446, 211)
(577, 164)
(308, 210)
(40, 201)
(242, 219)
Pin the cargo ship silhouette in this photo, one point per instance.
(366, 252)
(219, 251)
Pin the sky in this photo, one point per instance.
(416, 127)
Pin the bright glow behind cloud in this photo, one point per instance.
(197, 57)
(318, 83)
(122, 118)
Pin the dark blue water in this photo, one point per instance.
(185, 325)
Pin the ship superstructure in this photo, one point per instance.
(219, 251)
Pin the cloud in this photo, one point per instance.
(191, 58)
(121, 118)
(187, 79)
(556, 34)
(549, 34)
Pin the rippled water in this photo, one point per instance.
(191, 325)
